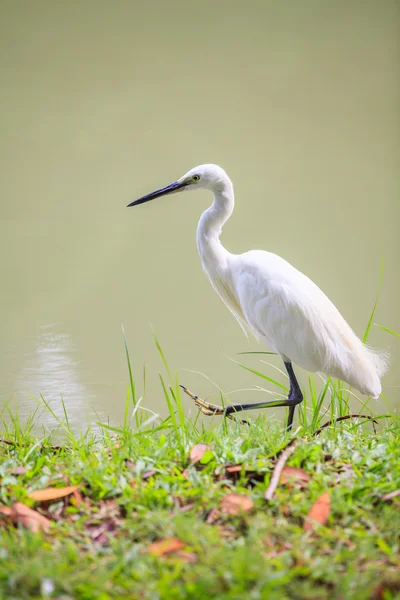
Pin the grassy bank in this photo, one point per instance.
(156, 515)
(173, 509)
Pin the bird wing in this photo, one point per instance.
(289, 311)
(221, 285)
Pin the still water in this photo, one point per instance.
(104, 101)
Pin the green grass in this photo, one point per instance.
(138, 485)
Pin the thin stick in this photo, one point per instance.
(288, 451)
(391, 495)
(22, 445)
(333, 421)
(9, 442)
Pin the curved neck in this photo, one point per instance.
(212, 252)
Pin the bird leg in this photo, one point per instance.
(295, 397)
(295, 394)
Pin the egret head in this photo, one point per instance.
(211, 177)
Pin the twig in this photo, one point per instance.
(333, 421)
(22, 445)
(391, 495)
(288, 451)
(9, 442)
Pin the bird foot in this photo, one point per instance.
(205, 407)
(209, 409)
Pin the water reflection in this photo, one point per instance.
(99, 103)
(51, 369)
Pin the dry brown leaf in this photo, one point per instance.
(187, 507)
(233, 468)
(319, 512)
(294, 475)
(100, 533)
(77, 497)
(107, 509)
(148, 474)
(4, 510)
(391, 495)
(52, 493)
(165, 546)
(197, 452)
(17, 471)
(383, 590)
(226, 532)
(20, 514)
(234, 504)
(185, 556)
(213, 516)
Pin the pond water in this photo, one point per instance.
(102, 102)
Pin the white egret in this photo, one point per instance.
(275, 302)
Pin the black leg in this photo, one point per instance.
(295, 397)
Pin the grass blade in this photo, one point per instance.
(259, 374)
(273, 353)
(387, 330)
(132, 383)
(371, 318)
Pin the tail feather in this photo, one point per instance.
(379, 361)
(350, 360)
(365, 369)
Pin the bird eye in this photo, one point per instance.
(196, 177)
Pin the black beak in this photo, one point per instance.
(172, 188)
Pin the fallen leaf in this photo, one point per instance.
(197, 452)
(213, 516)
(165, 546)
(391, 495)
(384, 589)
(185, 556)
(294, 475)
(101, 533)
(180, 504)
(107, 509)
(226, 532)
(234, 472)
(52, 493)
(379, 592)
(5, 510)
(319, 512)
(17, 471)
(234, 504)
(187, 507)
(77, 496)
(148, 474)
(233, 468)
(20, 514)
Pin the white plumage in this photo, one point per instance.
(274, 301)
